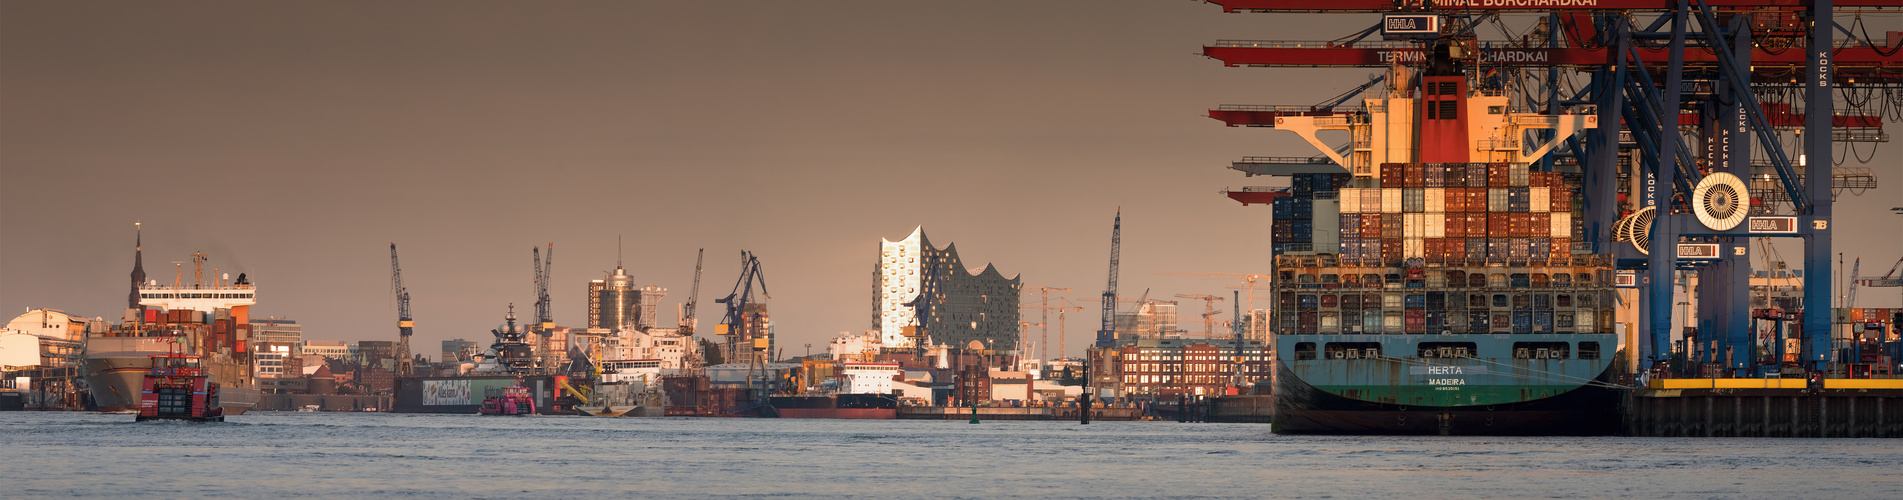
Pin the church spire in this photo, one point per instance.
(138, 264)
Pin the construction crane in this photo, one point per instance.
(1209, 311)
(733, 325)
(1062, 332)
(1248, 282)
(404, 325)
(1044, 321)
(1107, 335)
(693, 297)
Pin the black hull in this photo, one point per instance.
(1303, 409)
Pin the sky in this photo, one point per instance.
(295, 142)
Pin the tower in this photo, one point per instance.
(138, 264)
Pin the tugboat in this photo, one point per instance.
(177, 388)
(513, 401)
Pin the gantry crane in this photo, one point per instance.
(1722, 69)
(1209, 310)
(404, 325)
(544, 265)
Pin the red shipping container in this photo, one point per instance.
(1537, 179)
(1497, 175)
(1562, 200)
(1431, 250)
(1391, 175)
(1456, 225)
(1539, 225)
(1476, 200)
(1455, 200)
(1371, 225)
(1391, 251)
(151, 315)
(1415, 320)
(1414, 175)
(1500, 224)
(1562, 249)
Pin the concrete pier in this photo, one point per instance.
(1766, 408)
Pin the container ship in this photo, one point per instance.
(1426, 279)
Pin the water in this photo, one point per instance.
(465, 456)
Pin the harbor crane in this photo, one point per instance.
(693, 297)
(1209, 310)
(735, 325)
(1107, 335)
(544, 265)
(404, 325)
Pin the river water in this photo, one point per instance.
(271, 454)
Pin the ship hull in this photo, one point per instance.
(115, 379)
(847, 413)
(1301, 408)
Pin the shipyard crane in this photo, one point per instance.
(1209, 310)
(404, 325)
(1850, 291)
(544, 265)
(734, 324)
(1107, 335)
(1887, 280)
(693, 297)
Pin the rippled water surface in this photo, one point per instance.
(465, 456)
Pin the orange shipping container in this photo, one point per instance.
(1498, 224)
(1414, 175)
(1476, 200)
(1562, 248)
(1455, 199)
(1539, 225)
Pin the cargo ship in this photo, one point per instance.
(853, 406)
(210, 320)
(1426, 276)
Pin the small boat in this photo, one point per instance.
(513, 401)
(308, 409)
(177, 388)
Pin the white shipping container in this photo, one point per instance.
(1371, 200)
(1414, 226)
(1436, 201)
(1436, 225)
(1497, 200)
(1350, 200)
(1540, 198)
(1413, 248)
(1517, 175)
(1391, 200)
(1562, 225)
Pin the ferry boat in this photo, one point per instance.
(514, 400)
(1425, 279)
(177, 388)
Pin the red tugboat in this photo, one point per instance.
(513, 401)
(177, 388)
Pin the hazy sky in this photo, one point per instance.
(296, 141)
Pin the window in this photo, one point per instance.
(1353, 350)
(1541, 350)
(1448, 350)
(1304, 351)
(1449, 110)
(1588, 350)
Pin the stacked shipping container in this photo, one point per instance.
(1443, 248)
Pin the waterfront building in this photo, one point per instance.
(329, 349)
(927, 293)
(1162, 369)
(848, 346)
(278, 331)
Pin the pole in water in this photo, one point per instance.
(1083, 410)
(974, 413)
